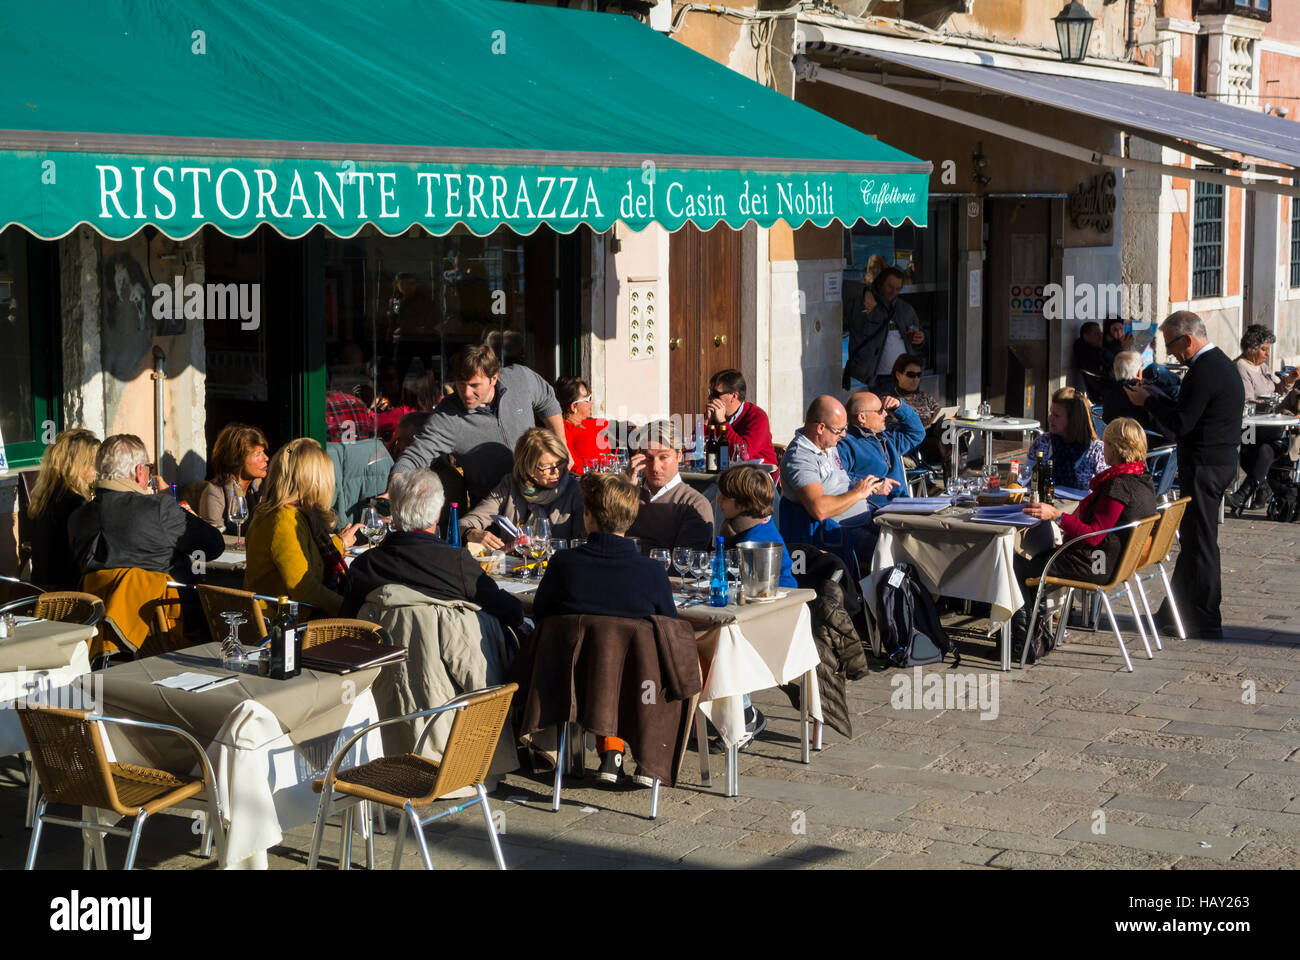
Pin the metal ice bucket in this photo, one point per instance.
(760, 569)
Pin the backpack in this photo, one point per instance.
(910, 632)
(1284, 507)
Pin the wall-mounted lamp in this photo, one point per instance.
(978, 163)
(1073, 31)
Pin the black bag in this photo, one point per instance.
(910, 632)
(1044, 642)
(1285, 505)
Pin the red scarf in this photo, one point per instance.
(1085, 509)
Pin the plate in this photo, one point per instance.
(779, 596)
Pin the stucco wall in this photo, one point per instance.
(805, 347)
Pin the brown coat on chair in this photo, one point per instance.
(618, 677)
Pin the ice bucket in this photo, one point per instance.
(760, 569)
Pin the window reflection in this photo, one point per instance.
(17, 403)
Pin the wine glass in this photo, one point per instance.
(539, 540)
(702, 565)
(682, 557)
(237, 513)
(539, 548)
(372, 525)
(663, 556)
(232, 652)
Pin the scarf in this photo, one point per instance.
(1098, 483)
(543, 497)
(120, 485)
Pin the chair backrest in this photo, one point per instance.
(1134, 545)
(1162, 464)
(1162, 539)
(473, 739)
(219, 600)
(69, 606)
(319, 631)
(69, 757)
(133, 598)
(12, 590)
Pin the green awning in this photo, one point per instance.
(121, 113)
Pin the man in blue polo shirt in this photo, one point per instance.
(872, 449)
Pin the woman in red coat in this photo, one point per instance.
(585, 436)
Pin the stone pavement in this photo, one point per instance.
(1084, 766)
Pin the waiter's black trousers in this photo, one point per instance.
(1197, 582)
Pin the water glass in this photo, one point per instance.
(682, 557)
(703, 567)
(372, 525)
(663, 556)
(232, 652)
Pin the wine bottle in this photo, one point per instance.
(296, 645)
(724, 451)
(718, 582)
(711, 452)
(282, 642)
(1048, 470)
(453, 526)
(1036, 480)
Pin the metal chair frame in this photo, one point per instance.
(329, 804)
(1099, 589)
(571, 757)
(93, 832)
(1139, 578)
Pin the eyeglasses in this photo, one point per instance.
(838, 432)
(545, 470)
(1169, 344)
(911, 374)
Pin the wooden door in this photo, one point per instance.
(704, 272)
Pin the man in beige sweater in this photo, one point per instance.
(672, 513)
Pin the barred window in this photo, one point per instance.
(1295, 244)
(1207, 240)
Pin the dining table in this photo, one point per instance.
(743, 648)
(40, 663)
(958, 553)
(267, 740)
(987, 425)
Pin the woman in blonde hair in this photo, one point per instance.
(292, 548)
(1070, 442)
(1120, 494)
(540, 483)
(67, 471)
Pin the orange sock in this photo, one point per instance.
(606, 744)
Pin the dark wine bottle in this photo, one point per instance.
(711, 451)
(1049, 485)
(283, 650)
(297, 638)
(1036, 479)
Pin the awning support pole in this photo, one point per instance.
(158, 377)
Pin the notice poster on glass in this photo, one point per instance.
(1026, 312)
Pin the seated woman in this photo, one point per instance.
(1261, 384)
(67, 471)
(1120, 494)
(905, 383)
(585, 435)
(292, 549)
(539, 484)
(606, 577)
(1070, 442)
(238, 462)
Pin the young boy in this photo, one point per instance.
(745, 497)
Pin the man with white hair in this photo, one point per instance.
(1115, 402)
(1206, 418)
(125, 525)
(413, 555)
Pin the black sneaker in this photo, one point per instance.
(641, 779)
(611, 766)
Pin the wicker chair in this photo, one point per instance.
(67, 750)
(219, 600)
(410, 781)
(1134, 546)
(65, 606)
(320, 631)
(1152, 563)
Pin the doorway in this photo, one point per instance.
(1016, 334)
(705, 302)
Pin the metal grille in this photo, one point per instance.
(1207, 240)
(1295, 242)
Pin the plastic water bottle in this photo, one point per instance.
(453, 526)
(698, 455)
(718, 582)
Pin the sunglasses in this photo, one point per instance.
(911, 374)
(835, 432)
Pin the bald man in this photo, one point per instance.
(873, 448)
(813, 476)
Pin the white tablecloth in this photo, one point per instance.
(51, 686)
(761, 651)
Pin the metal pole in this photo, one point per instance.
(159, 357)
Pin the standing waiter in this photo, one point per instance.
(1206, 418)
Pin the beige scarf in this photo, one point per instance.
(120, 485)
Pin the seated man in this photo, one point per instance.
(1127, 370)
(747, 425)
(126, 526)
(1091, 359)
(413, 555)
(870, 449)
(672, 514)
(606, 577)
(815, 478)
